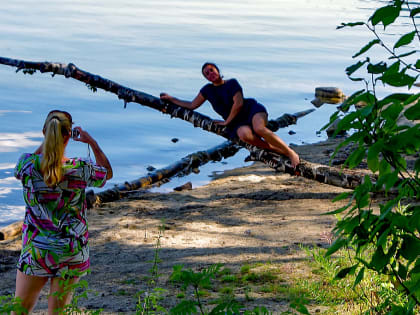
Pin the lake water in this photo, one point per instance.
(279, 50)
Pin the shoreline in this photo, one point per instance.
(247, 215)
(168, 187)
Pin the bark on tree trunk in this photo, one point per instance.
(318, 172)
(335, 176)
(183, 166)
(274, 160)
(94, 81)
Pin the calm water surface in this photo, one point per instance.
(279, 50)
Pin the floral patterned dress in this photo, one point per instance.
(55, 228)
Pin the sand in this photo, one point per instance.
(244, 216)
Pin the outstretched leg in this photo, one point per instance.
(246, 134)
(259, 124)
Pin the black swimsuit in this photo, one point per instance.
(221, 99)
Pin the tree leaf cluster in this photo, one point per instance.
(391, 237)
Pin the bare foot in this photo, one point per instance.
(294, 158)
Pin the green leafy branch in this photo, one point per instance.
(393, 234)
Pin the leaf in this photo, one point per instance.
(416, 268)
(341, 196)
(350, 24)
(345, 123)
(417, 65)
(337, 211)
(400, 97)
(384, 168)
(228, 307)
(356, 79)
(407, 141)
(413, 113)
(387, 15)
(359, 277)
(394, 68)
(356, 157)
(417, 165)
(405, 39)
(373, 156)
(299, 305)
(353, 68)
(402, 271)
(366, 110)
(383, 238)
(398, 79)
(414, 12)
(392, 112)
(386, 209)
(353, 97)
(184, 308)
(400, 221)
(349, 225)
(410, 248)
(403, 55)
(379, 260)
(413, 99)
(340, 242)
(176, 274)
(366, 47)
(345, 271)
(377, 68)
(391, 180)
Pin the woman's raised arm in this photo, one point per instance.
(100, 156)
(196, 102)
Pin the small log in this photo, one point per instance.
(11, 231)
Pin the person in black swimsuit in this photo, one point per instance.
(243, 117)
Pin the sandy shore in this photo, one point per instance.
(243, 216)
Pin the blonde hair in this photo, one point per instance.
(56, 127)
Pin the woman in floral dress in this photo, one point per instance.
(55, 228)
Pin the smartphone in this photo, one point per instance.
(75, 133)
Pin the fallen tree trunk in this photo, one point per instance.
(185, 165)
(11, 231)
(198, 120)
(318, 172)
(126, 94)
(94, 81)
(335, 176)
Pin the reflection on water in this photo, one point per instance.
(11, 142)
(279, 50)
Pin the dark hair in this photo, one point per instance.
(209, 64)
